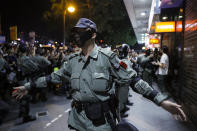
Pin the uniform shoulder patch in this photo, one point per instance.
(107, 51)
(123, 64)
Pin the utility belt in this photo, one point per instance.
(98, 111)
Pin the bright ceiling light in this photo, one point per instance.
(143, 13)
(165, 17)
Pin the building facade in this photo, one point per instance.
(189, 60)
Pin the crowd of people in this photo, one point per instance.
(22, 63)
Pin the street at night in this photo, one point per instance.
(151, 118)
(97, 65)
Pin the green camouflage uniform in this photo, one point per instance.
(139, 62)
(41, 61)
(123, 92)
(43, 65)
(146, 73)
(27, 66)
(28, 69)
(91, 81)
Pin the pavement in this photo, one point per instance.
(53, 114)
(147, 116)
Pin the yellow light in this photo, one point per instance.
(181, 10)
(165, 26)
(154, 41)
(71, 9)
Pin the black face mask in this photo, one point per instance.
(123, 52)
(80, 38)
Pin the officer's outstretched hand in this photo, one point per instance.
(19, 92)
(174, 109)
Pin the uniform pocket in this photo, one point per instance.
(100, 82)
(75, 80)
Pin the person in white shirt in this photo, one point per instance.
(162, 71)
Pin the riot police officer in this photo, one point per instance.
(42, 62)
(43, 65)
(122, 93)
(27, 68)
(148, 67)
(92, 72)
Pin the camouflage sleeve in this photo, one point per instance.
(142, 87)
(27, 66)
(125, 75)
(63, 74)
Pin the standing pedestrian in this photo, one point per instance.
(162, 71)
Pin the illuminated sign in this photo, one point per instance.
(165, 26)
(47, 46)
(191, 25)
(13, 33)
(179, 26)
(154, 41)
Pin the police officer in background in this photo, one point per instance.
(148, 67)
(42, 62)
(92, 72)
(26, 67)
(123, 89)
(139, 63)
(43, 65)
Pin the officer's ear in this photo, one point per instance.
(93, 35)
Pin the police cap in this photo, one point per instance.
(86, 23)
